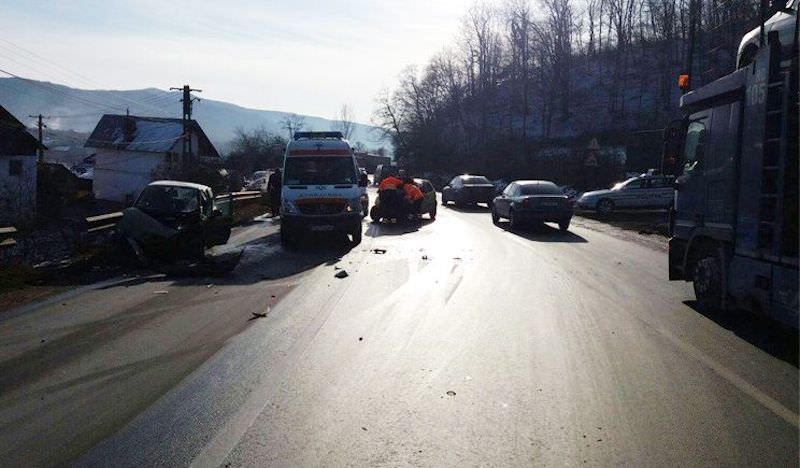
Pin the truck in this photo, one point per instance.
(322, 188)
(734, 153)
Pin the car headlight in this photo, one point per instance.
(288, 207)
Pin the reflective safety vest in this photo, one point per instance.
(390, 182)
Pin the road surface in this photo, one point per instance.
(463, 344)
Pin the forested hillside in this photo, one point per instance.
(525, 87)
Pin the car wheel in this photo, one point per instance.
(495, 217)
(433, 213)
(288, 238)
(564, 225)
(605, 206)
(707, 280)
(513, 220)
(374, 215)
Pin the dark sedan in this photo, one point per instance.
(529, 201)
(468, 190)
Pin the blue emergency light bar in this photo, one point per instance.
(318, 136)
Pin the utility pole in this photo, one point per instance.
(186, 148)
(41, 125)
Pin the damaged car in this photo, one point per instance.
(172, 220)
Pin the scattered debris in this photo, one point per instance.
(337, 268)
(379, 251)
(161, 292)
(258, 315)
(360, 338)
(451, 393)
(424, 257)
(456, 258)
(43, 340)
(209, 286)
(363, 428)
(341, 274)
(273, 296)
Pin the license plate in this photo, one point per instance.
(324, 227)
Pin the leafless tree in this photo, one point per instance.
(293, 123)
(344, 123)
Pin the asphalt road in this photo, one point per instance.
(462, 344)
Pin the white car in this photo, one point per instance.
(783, 22)
(643, 192)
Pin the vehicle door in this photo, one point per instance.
(632, 194)
(218, 218)
(503, 203)
(659, 192)
(691, 185)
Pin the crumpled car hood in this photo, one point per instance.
(139, 225)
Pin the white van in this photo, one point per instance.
(322, 187)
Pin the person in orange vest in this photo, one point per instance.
(413, 195)
(390, 182)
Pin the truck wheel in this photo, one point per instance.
(707, 280)
(357, 235)
(605, 206)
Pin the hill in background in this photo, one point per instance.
(79, 110)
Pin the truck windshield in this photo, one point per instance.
(325, 170)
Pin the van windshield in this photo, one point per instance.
(319, 170)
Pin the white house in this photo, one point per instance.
(129, 149)
(17, 171)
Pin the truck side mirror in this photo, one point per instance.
(672, 151)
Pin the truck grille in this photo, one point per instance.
(321, 206)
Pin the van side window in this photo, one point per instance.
(694, 151)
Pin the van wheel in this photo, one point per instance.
(357, 235)
(707, 279)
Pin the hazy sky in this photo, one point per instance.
(291, 55)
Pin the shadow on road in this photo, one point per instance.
(543, 233)
(644, 222)
(396, 229)
(778, 340)
(482, 208)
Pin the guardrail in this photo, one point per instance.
(246, 205)
(8, 237)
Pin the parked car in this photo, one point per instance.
(783, 22)
(172, 219)
(642, 192)
(429, 200)
(533, 201)
(468, 189)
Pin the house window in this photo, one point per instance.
(15, 167)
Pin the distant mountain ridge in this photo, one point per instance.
(80, 110)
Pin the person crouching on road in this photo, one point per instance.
(390, 194)
(413, 196)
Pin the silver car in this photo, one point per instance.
(643, 192)
(782, 21)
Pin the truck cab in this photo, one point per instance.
(734, 224)
(322, 187)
